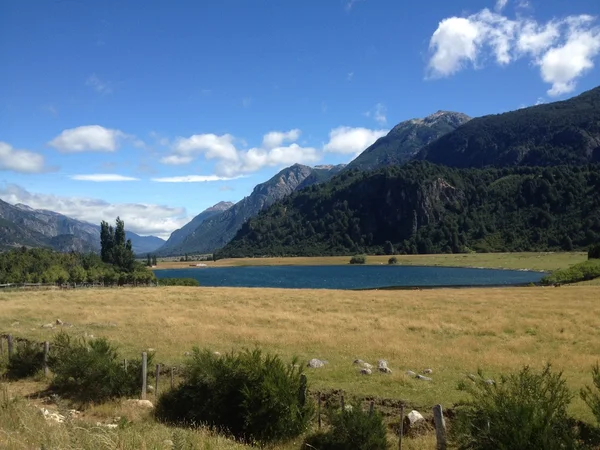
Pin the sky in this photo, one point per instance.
(154, 110)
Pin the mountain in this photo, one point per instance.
(144, 244)
(566, 132)
(22, 225)
(218, 230)
(406, 139)
(178, 236)
(424, 208)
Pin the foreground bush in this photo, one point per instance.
(587, 270)
(393, 260)
(26, 361)
(358, 259)
(253, 397)
(590, 396)
(352, 429)
(92, 371)
(527, 410)
(178, 282)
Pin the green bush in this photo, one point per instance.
(352, 429)
(592, 396)
(594, 252)
(178, 282)
(393, 260)
(587, 270)
(255, 398)
(358, 259)
(92, 371)
(526, 410)
(26, 361)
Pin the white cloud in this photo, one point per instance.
(102, 87)
(176, 160)
(378, 113)
(276, 138)
(350, 76)
(210, 145)
(141, 218)
(23, 161)
(88, 138)
(349, 4)
(103, 177)
(563, 49)
(192, 179)
(349, 140)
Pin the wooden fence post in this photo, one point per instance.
(10, 345)
(440, 427)
(319, 410)
(172, 377)
(401, 427)
(156, 381)
(144, 374)
(46, 353)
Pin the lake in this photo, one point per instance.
(350, 277)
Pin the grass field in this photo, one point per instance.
(452, 331)
(531, 261)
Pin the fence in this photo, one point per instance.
(72, 285)
(438, 416)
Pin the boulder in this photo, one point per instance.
(358, 362)
(424, 378)
(490, 382)
(59, 322)
(366, 371)
(385, 370)
(168, 443)
(382, 363)
(368, 366)
(428, 371)
(48, 325)
(316, 363)
(415, 424)
(141, 403)
(410, 373)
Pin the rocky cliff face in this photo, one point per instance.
(406, 139)
(219, 229)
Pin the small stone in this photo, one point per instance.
(366, 371)
(316, 363)
(59, 322)
(490, 382)
(368, 366)
(424, 378)
(48, 325)
(141, 403)
(358, 362)
(414, 417)
(381, 364)
(385, 370)
(428, 371)
(217, 353)
(168, 443)
(410, 373)
(111, 425)
(187, 354)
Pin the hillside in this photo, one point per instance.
(178, 236)
(424, 208)
(218, 230)
(406, 139)
(566, 132)
(21, 225)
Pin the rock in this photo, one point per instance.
(428, 371)
(381, 364)
(150, 350)
(366, 371)
(52, 416)
(187, 354)
(149, 388)
(490, 382)
(368, 366)
(59, 322)
(141, 403)
(216, 353)
(67, 325)
(73, 413)
(316, 363)
(385, 370)
(410, 373)
(424, 378)
(107, 425)
(48, 325)
(415, 424)
(168, 443)
(358, 362)
(414, 417)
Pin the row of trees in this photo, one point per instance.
(115, 250)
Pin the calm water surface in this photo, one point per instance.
(350, 277)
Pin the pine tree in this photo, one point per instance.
(148, 260)
(154, 260)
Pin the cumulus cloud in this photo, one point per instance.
(563, 49)
(88, 138)
(232, 161)
(102, 87)
(23, 161)
(349, 140)
(192, 179)
(141, 218)
(103, 177)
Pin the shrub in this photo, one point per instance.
(358, 259)
(594, 252)
(255, 398)
(393, 260)
(178, 282)
(91, 371)
(523, 411)
(351, 429)
(587, 270)
(592, 397)
(26, 361)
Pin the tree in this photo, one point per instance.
(77, 274)
(114, 249)
(149, 260)
(594, 252)
(154, 263)
(388, 248)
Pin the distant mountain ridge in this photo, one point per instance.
(216, 231)
(406, 139)
(22, 225)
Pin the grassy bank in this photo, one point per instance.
(452, 331)
(525, 260)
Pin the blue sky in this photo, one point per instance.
(156, 110)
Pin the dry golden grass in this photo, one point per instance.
(531, 261)
(452, 331)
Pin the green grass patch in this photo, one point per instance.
(587, 270)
